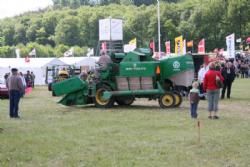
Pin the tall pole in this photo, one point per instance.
(159, 29)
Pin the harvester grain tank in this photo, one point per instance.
(131, 75)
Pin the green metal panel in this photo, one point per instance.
(68, 86)
(175, 65)
(79, 97)
(138, 69)
(158, 91)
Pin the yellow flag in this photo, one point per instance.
(179, 45)
(132, 42)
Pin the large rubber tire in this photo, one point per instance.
(178, 99)
(167, 100)
(125, 101)
(53, 93)
(99, 101)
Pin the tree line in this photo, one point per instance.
(56, 29)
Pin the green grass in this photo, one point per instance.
(49, 134)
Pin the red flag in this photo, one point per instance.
(27, 59)
(104, 46)
(152, 45)
(201, 46)
(221, 51)
(216, 50)
(167, 44)
(248, 40)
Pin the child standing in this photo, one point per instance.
(194, 99)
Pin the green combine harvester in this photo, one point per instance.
(131, 75)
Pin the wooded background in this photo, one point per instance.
(74, 23)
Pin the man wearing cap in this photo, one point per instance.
(16, 87)
(104, 61)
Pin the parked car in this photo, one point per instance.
(3, 90)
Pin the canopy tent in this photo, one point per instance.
(79, 61)
(85, 63)
(37, 65)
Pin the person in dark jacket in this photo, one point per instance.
(194, 99)
(228, 73)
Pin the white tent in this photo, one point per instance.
(71, 60)
(37, 65)
(80, 61)
(86, 63)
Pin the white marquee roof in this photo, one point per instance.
(33, 63)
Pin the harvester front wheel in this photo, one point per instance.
(178, 99)
(100, 101)
(167, 100)
(125, 100)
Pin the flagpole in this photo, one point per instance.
(159, 28)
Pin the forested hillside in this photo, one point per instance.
(75, 23)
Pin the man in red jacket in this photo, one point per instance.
(213, 91)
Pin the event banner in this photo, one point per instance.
(201, 46)
(152, 45)
(130, 46)
(179, 45)
(230, 40)
(167, 44)
(184, 50)
(110, 29)
(190, 44)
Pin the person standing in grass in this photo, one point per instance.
(213, 91)
(228, 73)
(32, 79)
(15, 86)
(194, 99)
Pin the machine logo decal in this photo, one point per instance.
(176, 65)
(135, 68)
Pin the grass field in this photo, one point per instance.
(49, 134)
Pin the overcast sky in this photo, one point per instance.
(10, 8)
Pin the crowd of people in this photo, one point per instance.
(212, 90)
(28, 79)
(242, 66)
(17, 83)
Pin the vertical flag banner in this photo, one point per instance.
(27, 59)
(33, 52)
(104, 47)
(130, 46)
(248, 40)
(190, 44)
(17, 53)
(221, 51)
(179, 45)
(152, 45)
(133, 42)
(238, 40)
(69, 53)
(201, 46)
(184, 50)
(168, 50)
(230, 40)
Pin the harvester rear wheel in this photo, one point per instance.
(125, 100)
(99, 101)
(167, 100)
(178, 99)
